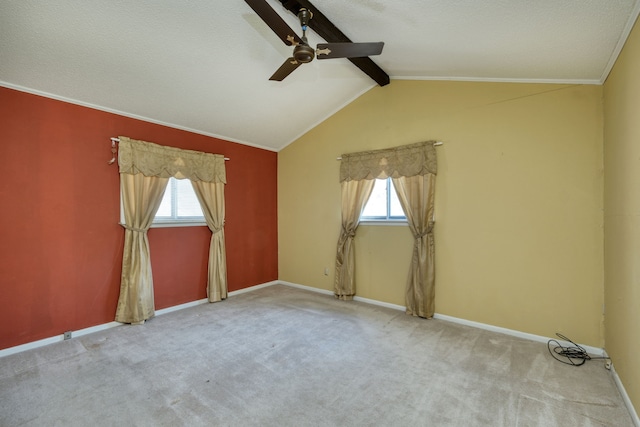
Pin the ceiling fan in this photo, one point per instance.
(302, 52)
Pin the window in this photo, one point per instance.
(180, 205)
(383, 205)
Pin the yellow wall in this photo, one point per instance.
(518, 202)
(622, 215)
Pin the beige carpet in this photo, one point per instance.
(280, 356)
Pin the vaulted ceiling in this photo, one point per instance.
(204, 65)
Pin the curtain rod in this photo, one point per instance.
(113, 150)
(434, 144)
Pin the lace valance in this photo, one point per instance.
(406, 160)
(151, 159)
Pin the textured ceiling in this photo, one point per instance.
(204, 65)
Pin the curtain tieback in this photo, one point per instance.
(134, 229)
(349, 233)
(429, 228)
(428, 231)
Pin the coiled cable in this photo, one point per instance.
(570, 355)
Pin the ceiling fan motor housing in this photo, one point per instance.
(303, 53)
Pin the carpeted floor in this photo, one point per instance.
(281, 356)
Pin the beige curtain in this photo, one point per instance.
(145, 168)
(354, 196)
(141, 198)
(413, 168)
(211, 197)
(416, 194)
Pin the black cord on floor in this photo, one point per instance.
(569, 355)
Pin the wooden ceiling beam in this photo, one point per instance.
(325, 29)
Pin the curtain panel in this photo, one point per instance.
(413, 169)
(141, 198)
(145, 169)
(354, 196)
(416, 195)
(211, 197)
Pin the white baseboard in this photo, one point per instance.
(206, 300)
(355, 298)
(253, 288)
(380, 303)
(74, 334)
(57, 338)
(625, 396)
(180, 306)
(532, 337)
(306, 288)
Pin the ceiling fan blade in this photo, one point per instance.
(285, 69)
(275, 22)
(348, 50)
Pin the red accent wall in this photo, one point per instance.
(60, 242)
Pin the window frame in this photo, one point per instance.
(388, 219)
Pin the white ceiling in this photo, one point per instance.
(204, 65)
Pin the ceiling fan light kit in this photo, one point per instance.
(303, 53)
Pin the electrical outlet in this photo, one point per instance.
(607, 364)
(67, 335)
(326, 271)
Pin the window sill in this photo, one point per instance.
(166, 224)
(384, 222)
(169, 224)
